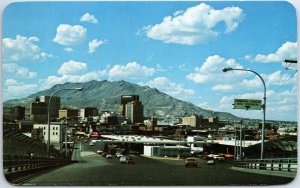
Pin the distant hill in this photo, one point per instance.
(106, 95)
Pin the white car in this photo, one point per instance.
(123, 159)
(119, 155)
(108, 156)
(99, 151)
(210, 161)
(92, 144)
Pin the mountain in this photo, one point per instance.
(106, 95)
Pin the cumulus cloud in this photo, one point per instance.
(280, 105)
(23, 49)
(195, 25)
(52, 80)
(87, 17)
(211, 71)
(69, 35)
(287, 51)
(132, 70)
(94, 44)
(169, 87)
(72, 68)
(14, 70)
(68, 49)
(222, 87)
(16, 89)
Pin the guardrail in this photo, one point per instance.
(17, 166)
(284, 165)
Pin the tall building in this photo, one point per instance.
(134, 111)
(193, 120)
(54, 106)
(88, 112)
(38, 111)
(126, 99)
(70, 116)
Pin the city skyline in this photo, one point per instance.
(179, 48)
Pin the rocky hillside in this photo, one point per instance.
(106, 95)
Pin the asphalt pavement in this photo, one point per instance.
(93, 169)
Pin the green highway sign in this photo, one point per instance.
(247, 104)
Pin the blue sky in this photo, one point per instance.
(179, 48)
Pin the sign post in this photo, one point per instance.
(247, 104)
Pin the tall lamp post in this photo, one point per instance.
(263, 107)
(48, 109)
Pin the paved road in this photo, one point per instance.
(93, 169)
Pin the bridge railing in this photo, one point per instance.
(19, 163)
(284, 165)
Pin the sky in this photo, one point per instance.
(179, 48)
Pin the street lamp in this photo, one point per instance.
(263, 107)
(48, 109)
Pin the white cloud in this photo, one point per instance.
(132, 70)
(280, 105)
(94, 44)
(18, 90)
(287, 51)
(222, 87)
(69, 35)
(72, 68)
(195, 25)
(52, 80)
(211, 71)
(14, 70)
(171, 88)
(87, 17)
(23, 49)
(11, 82)
(68, 49)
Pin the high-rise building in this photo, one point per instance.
(38, 111)
(88, 112)
(126, 99)
(54, 106)
(134, 111)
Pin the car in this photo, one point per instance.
(109, 156)
(210, 161)
(119, 155)
(130, 161)
(123, 160)
(219, 158)
(92, 144)
(191, 162)
(99, 151)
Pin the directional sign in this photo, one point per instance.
(247, 104)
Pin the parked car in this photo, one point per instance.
(109, 156)
(92, 144)
(210, 161)
(99, 151)
(191, 162)
(123, 159)
(119, 155)
(130, 161)
(219, 158)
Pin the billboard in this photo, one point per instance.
(247, 104)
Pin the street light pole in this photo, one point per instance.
(263, 107)
(48, 109)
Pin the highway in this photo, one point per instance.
(93, 169)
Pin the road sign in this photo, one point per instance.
(247, 104)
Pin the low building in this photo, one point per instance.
(169, 151)
(57, 133)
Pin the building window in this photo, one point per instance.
(56, 133)
(53, 133)
(53, 128)
(44, 128)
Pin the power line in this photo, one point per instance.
(275, 92)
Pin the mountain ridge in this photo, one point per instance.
(106, 95)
